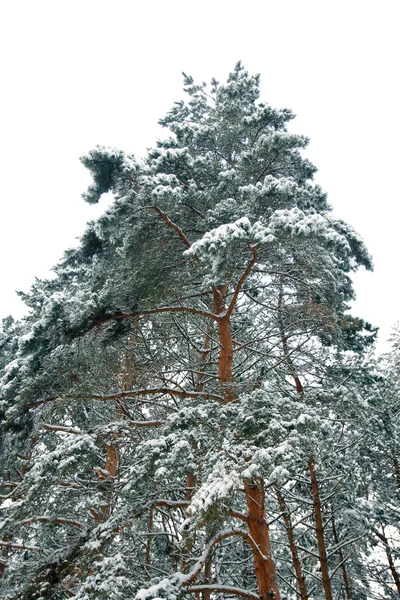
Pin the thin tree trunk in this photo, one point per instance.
(293, 549)
(342, 563)
(285, 348)
(392, 567)
(207, 578)
(396, 468)
(125, 378)
(191, 482)
(148, 545)
(326, 582)
(4, 555)
(258, 529)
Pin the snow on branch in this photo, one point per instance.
(155, 311)
(243, 278)
(132, 394)
(225, 589)
(49, 519)
(169, 587)
(61, 428)
(213, 245)
(20, 546)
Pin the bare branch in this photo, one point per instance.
(175, 228)
(245, 274)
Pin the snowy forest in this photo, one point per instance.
(189, 409)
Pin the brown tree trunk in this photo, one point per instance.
(112, 458)
(191, 482)
(258, 529)
(148, 545)
(207, 579)
(125, 379)
(293, 549)
(392, 567)
(255, 494)
(205, 353)
(326, 582)
(225, 375)
(342, 563)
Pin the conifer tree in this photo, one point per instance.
(170, 378)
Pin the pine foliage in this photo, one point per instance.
(187, 409)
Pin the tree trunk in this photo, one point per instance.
(191, 482)
(392, 567)
(258, 529)
(4, 555)
(148, 545)
(293, 549)
(285, 348)
(112, 458)
(342, 563)
(255, 494)
(207, 578)
(326, 582)
(205, 353)
(225, 375)
(396, 468)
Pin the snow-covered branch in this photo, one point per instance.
(132, 394)
(224, 589)
(20, 546)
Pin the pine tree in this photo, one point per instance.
(171, 374)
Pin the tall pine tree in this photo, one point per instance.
(168, 381)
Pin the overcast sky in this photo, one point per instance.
(79, 73)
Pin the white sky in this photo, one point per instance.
(79, 73)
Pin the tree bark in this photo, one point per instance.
(346, 582)
(112, 458)
(326, 582)
(207, 579)
(205, 353)
(191, 482)
(396, 468)
(293, 549)
(258, 529)
(3, 556)
(148, 545)
(392, 567)
(225, 375)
